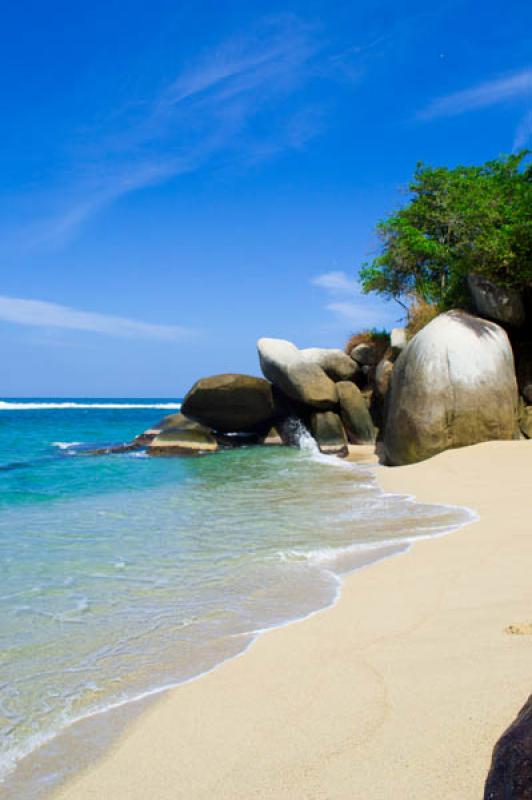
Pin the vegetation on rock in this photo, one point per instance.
(379, 338)
(457, 221)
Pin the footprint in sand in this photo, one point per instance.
(520, 628)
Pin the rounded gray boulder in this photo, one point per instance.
(453, 385)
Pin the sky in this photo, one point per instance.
(178, 179)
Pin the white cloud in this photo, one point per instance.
(523, 134)
(336, 282)
(482, 95)
(41, 314)
(206, 111)
(349, 306)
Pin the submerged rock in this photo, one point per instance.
(510, 775)
(303, 381)
(183, 441)
(354, 414)
(327, 429)
(453, 385)
(230, 403)
(171, 421)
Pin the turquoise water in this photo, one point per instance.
(122, 574)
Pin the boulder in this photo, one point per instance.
(365, 354)
(510, 775)
(523, 365)
(327, 429)
(335, 363)
(453, 385)
(354, 413)
(383, 377)
(525, 420)
(230, 402)
(381, 387)
(282, 363)
(398, 341)
(183, 441)
(496, 302)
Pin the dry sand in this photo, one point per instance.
(399, 691)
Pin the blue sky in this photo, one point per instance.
(178, 179)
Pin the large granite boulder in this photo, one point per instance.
(355, 414)
(453, 385)
(183, 441)
(496, 302)
(327, 429)
(230, 403)
(335, 363)
(303, 381)
(510, 776)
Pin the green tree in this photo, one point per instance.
(457, 221)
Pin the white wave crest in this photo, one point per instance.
(66, 445)
(31, 406)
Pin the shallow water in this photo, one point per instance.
(123, 574)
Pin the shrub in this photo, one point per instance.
(457, 221)
(420, 314)
(380, 338)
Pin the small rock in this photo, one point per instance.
(365, 354)
(398, 341)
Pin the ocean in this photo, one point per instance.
(125, 574)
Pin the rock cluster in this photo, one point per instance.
(314, 385)
(452, 384)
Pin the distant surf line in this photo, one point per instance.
(32, 406)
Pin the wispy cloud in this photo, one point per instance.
(347, 303)
(336, 282)
(483, 95)
(523, 134)
(41, 314)
(213, 108)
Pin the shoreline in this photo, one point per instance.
(112, 720)
(125, 770)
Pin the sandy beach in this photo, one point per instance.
(398, 691)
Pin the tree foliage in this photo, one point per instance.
(457, 221)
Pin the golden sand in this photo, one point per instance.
(399, 691)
